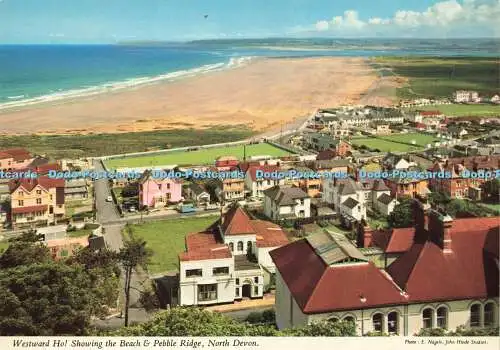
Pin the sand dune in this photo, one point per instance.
(260, 95)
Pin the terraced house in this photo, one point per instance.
(36, 202)
(447, 277)
(229, 261)
(14, 159)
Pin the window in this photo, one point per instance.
(240, 246)
(442, 317)
(392, 322)
(475, 315)
(377, 320)
(256, 279)
(249, 246)
(489, 315)
(194, 273)
(220, 271)
(256, 290)
(231, 246)
(349, 319)
(21, 193)
(207, 292)
(237, 281)
(51, 197)
(427, 318)
(20, 203)
(159, 187)
(168, 186)
(38, 191)
(38, 201)
(237, 292)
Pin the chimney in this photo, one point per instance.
(440, 230)
(418, 214)
(364, 236)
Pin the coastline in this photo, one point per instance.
(258, 94)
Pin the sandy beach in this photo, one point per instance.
(261, 95)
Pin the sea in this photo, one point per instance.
(30, 74)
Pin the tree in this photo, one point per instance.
(491, 189)
(196, 322)
(24, 253)
(47, 299)
(401, 216)
(134, 254)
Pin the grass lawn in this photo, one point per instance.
(3, 246)
(459, 110)
(440, 77)
(77, 146)
(495, 207)
(203, 156)
(420, 139)
(166, 239)
(382, 145)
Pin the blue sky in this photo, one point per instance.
(105, 21)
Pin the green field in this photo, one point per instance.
(420, 139)
(91, 145)
(440, 77)
(166, 239)
(459, 110)
(3, 246)
(200, 157)
(395, 143)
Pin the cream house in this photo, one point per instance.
(286, 202)
(229, 261)
(257, 179)
(447, 278)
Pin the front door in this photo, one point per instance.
(246, 291)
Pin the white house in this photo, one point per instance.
(447, 277)
(229, 261)
(460, 96)
(198, 193)
(257, 179)
(351, 198)
(282, 202)
(396, 162)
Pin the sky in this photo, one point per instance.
(109, 21)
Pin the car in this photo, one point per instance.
(109, 199)
(132, 209)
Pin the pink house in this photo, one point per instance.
(14, 159)
(155, 193)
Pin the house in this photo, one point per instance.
(227, 190)
(407, 187)
(76, 189)
(459, 185)
(447, 277)
(226, 163)
(495, 99)
(256, 181)
(380, 128)
(352, 198)
(396, 162)
(14, 159)
(457, 131)
(198, 193)
(229, 261)
(331, 166)
(461, 96)
(4, 191)
(286, 202)
(37, 201)
(321, 142)
(158, 192)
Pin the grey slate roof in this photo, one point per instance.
(348, 186)
(350, 203)
(385, 198)
(285, 195)
(334, 248)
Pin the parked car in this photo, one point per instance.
(186, 208)
(109, 199)
(212, 206)
(132, 209)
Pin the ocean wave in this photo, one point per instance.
(21, 101)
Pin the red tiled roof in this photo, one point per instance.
(430, 113)
(319, 288)
(30, 209)
(397, 240)
(326, 154)
(268, 234)
(264, 168)
(45, 168)
(427, 273)
(16, 153)
(30, 184)
(237, 222)
(204, 246)
(245, 165)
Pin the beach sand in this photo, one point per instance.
(260, 95)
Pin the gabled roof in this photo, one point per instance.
(268, 234)
(237, 222)
(17, 154)
(265, 168)
(29, 184)
(350, 203)
(319, 288)
(204, 246)
(285, 195)
(385, 198)
(334, 248)
(397, 240)
(348, 186)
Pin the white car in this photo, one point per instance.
(132, 209)
(109, 199)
